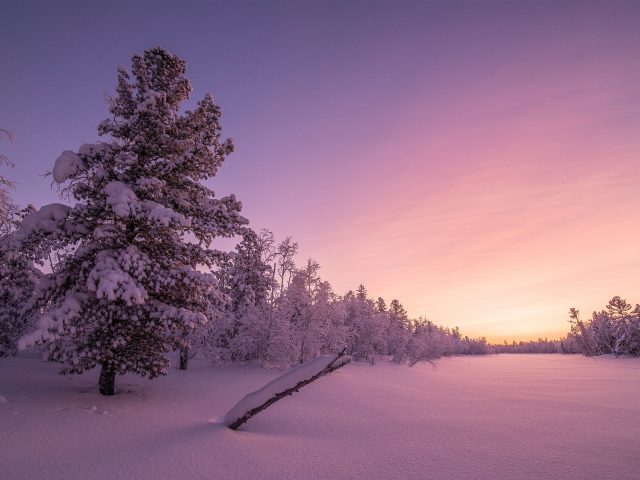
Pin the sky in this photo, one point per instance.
(479, 161)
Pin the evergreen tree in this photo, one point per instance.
(398, 331)
(130, 289)
(381, 305)
(626, 326)
(361, 293)
(366, 326)
(249, 276)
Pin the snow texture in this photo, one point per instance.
(109, 280)
(285, 382)
(121, 198)
(52, 322)
(51, 220)
(163, 215)
(48, 219)
(504, 417)
(66, 165)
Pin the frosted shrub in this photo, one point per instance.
(614, 330)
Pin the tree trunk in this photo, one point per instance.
(184, 358)
(107, 379)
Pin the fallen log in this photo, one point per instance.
(292, 381)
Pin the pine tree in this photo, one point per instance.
(366, 326)
(130, 290)
(381, 306)
(361, 293)
(397, 331)
(249, 275)
(626, 328)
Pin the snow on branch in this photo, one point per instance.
(67, 164)
(287, 384)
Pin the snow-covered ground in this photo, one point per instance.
(493, 417)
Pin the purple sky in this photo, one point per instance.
(479, 161)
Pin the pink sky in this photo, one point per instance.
(479, 161)
(519, 201)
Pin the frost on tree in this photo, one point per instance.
(7, 207)
(615, 330)
(18, 275)
(18, 278)
(128, 288)
(246, 282)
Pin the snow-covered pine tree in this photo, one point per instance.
(249, 287)
(398, 331)
(366, 326)
(626, 326)
(381, 305)
(249, 276)
(130, 289)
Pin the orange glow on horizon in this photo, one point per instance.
(521, 203)
(478, 161)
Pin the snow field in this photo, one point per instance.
(483, 417)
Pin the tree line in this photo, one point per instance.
(131, 268)
(277, 313)
(130, 271)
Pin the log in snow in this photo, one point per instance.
(290, 382)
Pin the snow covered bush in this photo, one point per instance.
(130, 288)
(18, 278)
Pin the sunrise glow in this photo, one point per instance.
(478, 163)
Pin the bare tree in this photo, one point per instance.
(285, 265)
(7, 207)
